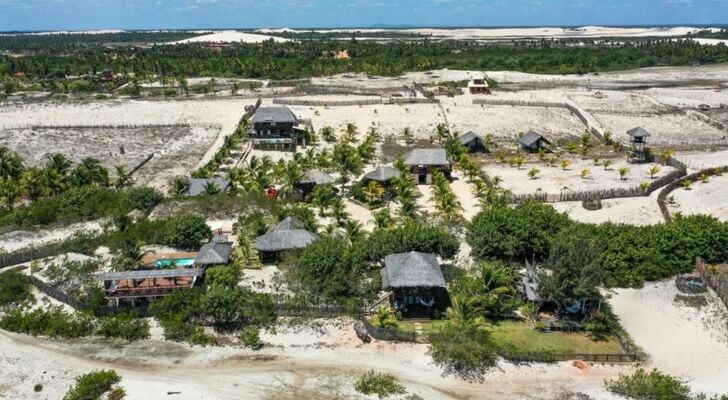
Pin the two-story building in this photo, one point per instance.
(276, 128)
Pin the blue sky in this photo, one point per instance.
(179, 14)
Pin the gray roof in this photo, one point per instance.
(427, 157)
(468, 137)
(149, 273)
(411, 269)
(214, 253)
(531, 138)
(383, 174)
(281, 115)
(638, 132)
(197, 185)
(317, 177)
(287, 235)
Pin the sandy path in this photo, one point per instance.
(464, 192)
(703, 198)
(680, 340)
(12, 241)
(296, 373)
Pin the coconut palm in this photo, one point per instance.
(383, 219)
(354, 230)
(54, 182)
(327, 133)
(623, 172)
(122, 177)
(374, 191)
(10, 192)
(292, 174)
(441, 132)
(338, 211)
(351, 131)
(408, 209)
(59, 163)
(90, 172)
(31, 183)
(653, 170)
(407, 136)
(464, 312)
(11, 164)
(323, 197)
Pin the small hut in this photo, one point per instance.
(533, 141)
(198, 185)
(423, 162)
(478, 85)
(217, 252)
(312, 178)
(383, 175)
(416, 283)
(638, 151)
(288, 235)
(472, 141)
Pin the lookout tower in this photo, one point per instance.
(638, 151)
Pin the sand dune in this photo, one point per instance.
(229, 37)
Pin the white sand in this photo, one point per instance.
(310, 364)
(22, 239)
(679, 340)
(554, 180)
(630, 210)
(229, 37)
(709, 198)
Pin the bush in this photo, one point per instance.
(187, 231)
(324, 271)
(524, 231)
(383, 385)
(464, 350)
(411, 237)
(54, 322)
(14, 289)
(251, 337)
(653, 385)
(93, 386)
(141, 198)
(200, 338)
(124, 325)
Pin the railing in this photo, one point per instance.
(388, 334)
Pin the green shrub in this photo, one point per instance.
(411, 237)
(383, 385)
(200, 338)
(53, 322)
(124, 326)
(141, 198)
(464, 350)
(93, 386)
(653, 385)
(251, 337)
(14, 288)
(187, 231)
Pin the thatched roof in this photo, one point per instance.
(197, 185)
(287, 235)
(413, 269)
(279, 115)
(531, 138)
(638, 132)
(215, 252)
(468, 137)
(383, 174)
(317, 177)
(149, 273)
(427, 157)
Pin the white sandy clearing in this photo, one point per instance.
(230, 37)
(301, 368)
(464, 192)
(709, 198)
(15, 240)
(629, 210)
(360, 214)
(553, 180)
(680, 340)
(701, 160)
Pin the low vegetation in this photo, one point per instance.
(96, 385)
(380, 384)
(14, 289)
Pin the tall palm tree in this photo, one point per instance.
(441, 132)
(292, 174)
(31, 182)
(59, 163)
(383, 219)
(90, 172)
(10, 192)
(338, 211)
(374, 191)
(354, 230)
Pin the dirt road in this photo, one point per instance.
(151, 369)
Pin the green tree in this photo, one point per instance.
(187, 231)
(14, 288)
(651, 385)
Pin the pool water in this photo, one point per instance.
(174, 262)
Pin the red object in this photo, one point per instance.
(272, 193)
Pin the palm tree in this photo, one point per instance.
(653, 170)
(384, 318)
(565, 164)
(338, 211)
(10, 192)
(407, 136)
(31, 182)
(350, 133)
(354, 230)
(374, 191)
(90, 172)
(408, 209)
(11, 164)
(323, 197)
(441, 132)
(623, 172)
(327, 133)
(122, 177)
(464, 312)
(383, 219)
(292, 174)
(179, 185)
(54, 181)
(59, 163)
(129, 255)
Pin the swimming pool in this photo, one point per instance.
(174, 262)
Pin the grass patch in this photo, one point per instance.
(519, 334)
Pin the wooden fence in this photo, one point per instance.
(314, 311)
(28, 254)
(662, 197)
(288, 82)
(327, 103)
(715, 276)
